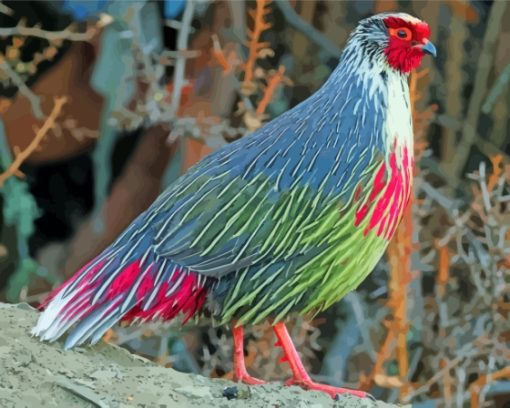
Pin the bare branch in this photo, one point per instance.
(65, 34)
(496, 90)
(272, 85)
(480, 85)
(310, 31)
(6, 10)
(180, 64)
(23, 88)
(21, 156)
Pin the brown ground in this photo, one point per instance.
(35, 374)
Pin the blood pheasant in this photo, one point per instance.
(287, 219)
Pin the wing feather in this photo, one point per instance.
(258, 200)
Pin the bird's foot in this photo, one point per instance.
(334, 392)
(300, 376)
(244, 377)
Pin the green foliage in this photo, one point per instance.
(26, 269)
(19, 210)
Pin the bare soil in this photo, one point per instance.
(35, 374)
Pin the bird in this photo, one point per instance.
(284, 221)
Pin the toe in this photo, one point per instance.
(248, 379)
(370, 397)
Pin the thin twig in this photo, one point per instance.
(310, 31)
(186, 54)
(489, 148)
(23, 88)
(65, 34)
(180, 64)
(238, 13)
(496, 90)
(358, 309)
(219, 56)
(466, 351)
(483, 70)
(482, 381)
(13, 169)
(272, 84)
(255, 46)
(6, 10)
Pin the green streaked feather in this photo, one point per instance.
(302, 249)
(346, 258)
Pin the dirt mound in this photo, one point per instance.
(35, 374)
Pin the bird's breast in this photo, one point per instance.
(383, 203)
(398, 126)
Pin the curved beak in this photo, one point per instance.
(429, 48)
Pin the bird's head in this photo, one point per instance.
(400, 38)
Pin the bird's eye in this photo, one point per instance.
(403, 33)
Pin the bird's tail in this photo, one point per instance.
(126, 282)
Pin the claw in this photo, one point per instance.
(248, 379)
(356, 393)
(290, 382)
(334, 392)
(300, 376)
(370, 397)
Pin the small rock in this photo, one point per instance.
(25, 306)
(237, 392)
(230, 392)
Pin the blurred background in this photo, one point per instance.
(104, 103)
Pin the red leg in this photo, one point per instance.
(240, 371)
(300, 376)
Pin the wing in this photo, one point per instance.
(264, 198)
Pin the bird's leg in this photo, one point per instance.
(240, 371)
(300, 376)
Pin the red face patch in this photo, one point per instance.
(407, 38)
